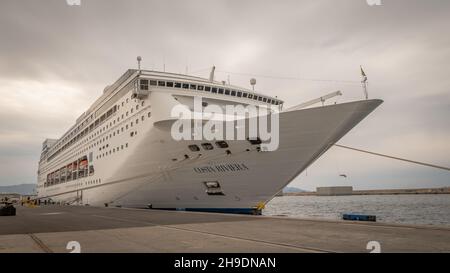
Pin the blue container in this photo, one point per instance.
(359, 217)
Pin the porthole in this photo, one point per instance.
(207, 146)
(194, 148)
(222, 144)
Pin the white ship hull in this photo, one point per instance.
(153, 170)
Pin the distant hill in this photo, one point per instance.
(20, 189)
(292, 189)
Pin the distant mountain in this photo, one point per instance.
(20, 189)
(292, 189)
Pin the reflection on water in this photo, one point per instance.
(433, 209)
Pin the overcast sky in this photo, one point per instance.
(55, 60)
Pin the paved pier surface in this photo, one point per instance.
(50, 228)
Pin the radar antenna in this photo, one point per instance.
(139, 59)
(253, 83)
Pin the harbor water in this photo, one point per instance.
(420, 209)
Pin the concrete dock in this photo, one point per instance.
(50, 228)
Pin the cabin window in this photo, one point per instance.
(161, 83)
(239, 94)
(214, 90)
(264, 99)
(227, 92)
(143, 84)
(194, 148)
(259, 98)
(200, 87)
(250, 96)
(193, 86)
(207, 88)
(222, 144)
(185, 85)
(233, 93)
(169, 84)
(69, 173)
(207, 146)
(152, 82)
(177, 85)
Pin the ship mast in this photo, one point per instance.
(364, 83)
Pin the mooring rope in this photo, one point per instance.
(394, 157)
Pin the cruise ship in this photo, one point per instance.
(120, 152)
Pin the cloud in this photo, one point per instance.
(56, 59)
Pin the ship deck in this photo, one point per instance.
(50, 228)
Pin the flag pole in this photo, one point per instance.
(364, 83)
